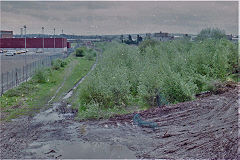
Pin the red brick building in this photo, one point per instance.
(6, 34)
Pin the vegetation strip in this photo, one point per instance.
(31, 96)
(155, 74)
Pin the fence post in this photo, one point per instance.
(7, 80)
(26, 71)
(33, 67)
(23, 74)
(12, 79)
(30, 69)
(16, 76)
(2, 83)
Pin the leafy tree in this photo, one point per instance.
(130, 38)
(139, 39)
(147, 43)
(211, 33)
(121, 38)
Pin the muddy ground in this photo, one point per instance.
(204, 128)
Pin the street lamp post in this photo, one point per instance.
(54, 39)
(62, 41)
(25, 30)
(43, 37)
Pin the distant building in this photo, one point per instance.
(161, 36)
(35, 44)
(6, 34)
(148, 35)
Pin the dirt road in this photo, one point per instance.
(204, 128)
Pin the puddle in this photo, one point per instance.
(79, 150)
(68, 95)
(49, 115)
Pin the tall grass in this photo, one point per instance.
(157, 73)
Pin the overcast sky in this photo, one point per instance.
(91, 18)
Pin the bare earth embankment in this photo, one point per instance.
(204, 128)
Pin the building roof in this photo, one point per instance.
(6, 31)
(161, 34)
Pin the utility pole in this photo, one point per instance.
(43, 37)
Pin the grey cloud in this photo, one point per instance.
(118, 17)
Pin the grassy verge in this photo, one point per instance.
(30, 97)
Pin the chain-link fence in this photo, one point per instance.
(18, 75)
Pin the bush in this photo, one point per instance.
(90, 54)
(22, 89)
(57, 64)
(156, 73)
(147, 43)
(80, 52)
(40, 76)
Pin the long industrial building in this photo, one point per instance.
(35, 44)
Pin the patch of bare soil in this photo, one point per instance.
(204, 128)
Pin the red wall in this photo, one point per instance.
(68, 45)
(10, 42)
(32, 42)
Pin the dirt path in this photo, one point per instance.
(204, 128)
(53, 134)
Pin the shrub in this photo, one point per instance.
(147, 43)
(22, 89)
(40, 76)
(80, 52)
(90, 54)
(57, 64)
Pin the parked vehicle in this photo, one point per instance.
(24, 51)
(19, 51)
(10, 53)
(39, 51)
